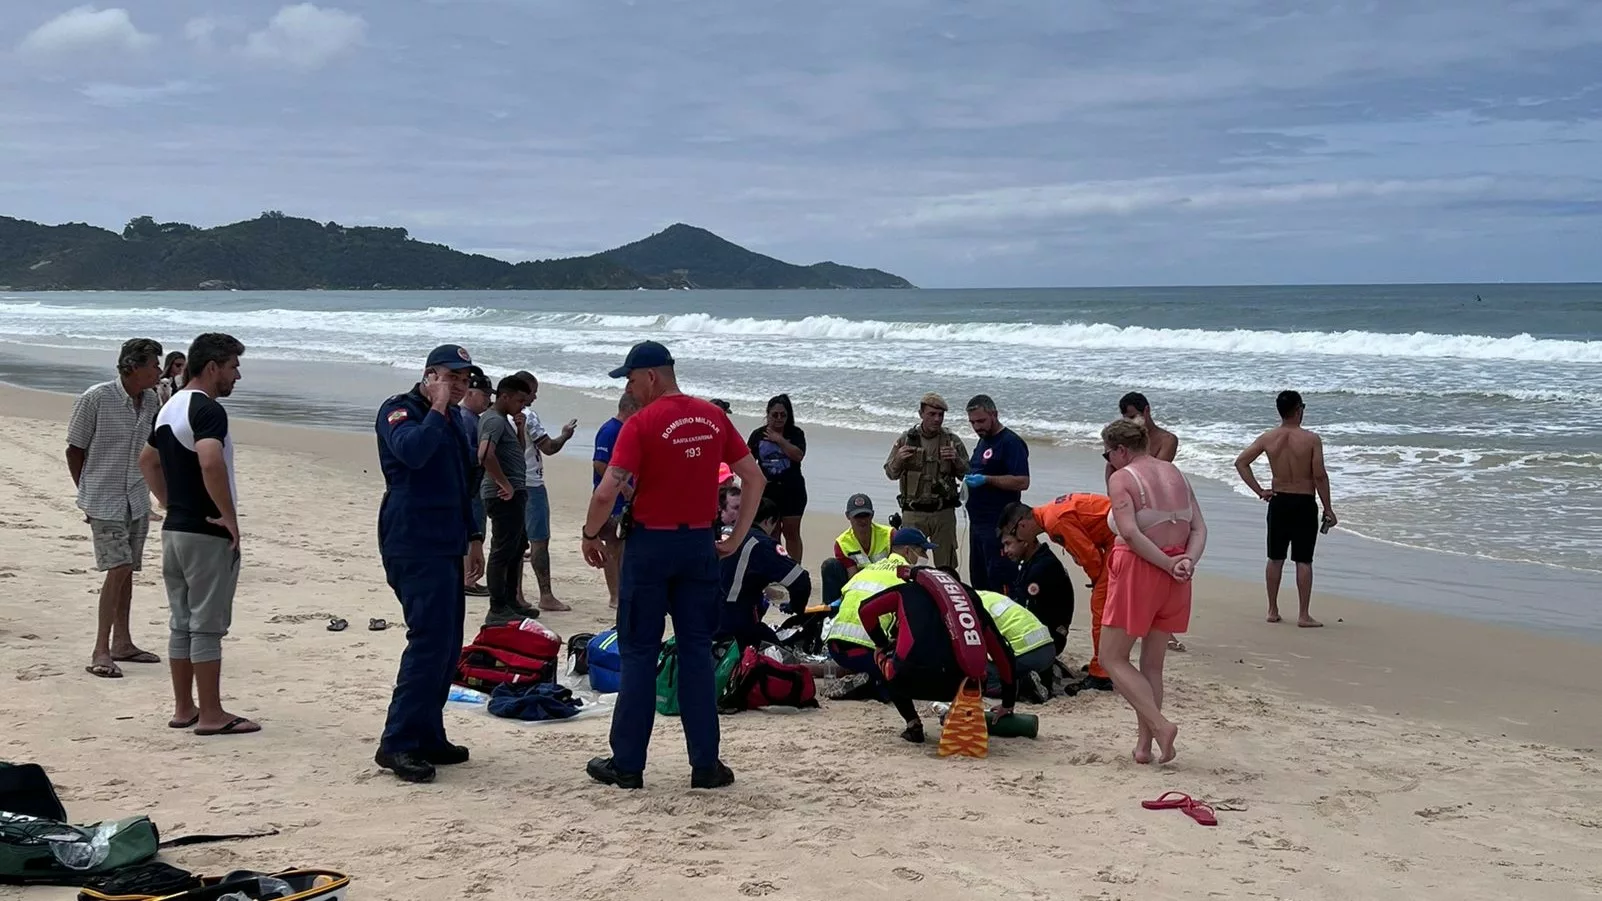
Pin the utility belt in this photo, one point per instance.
(929, 505)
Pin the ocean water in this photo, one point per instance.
(1465, 419)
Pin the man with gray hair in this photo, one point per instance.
(105, 435)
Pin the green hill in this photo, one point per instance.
(704, 260)
(278, 252)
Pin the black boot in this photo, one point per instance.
(410, 766)
(604, 771)
(716, 777)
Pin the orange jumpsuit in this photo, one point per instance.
(1078, 522)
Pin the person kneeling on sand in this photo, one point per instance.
(847, 642)
(746, 576)
(944, 636)
(1030, 643)
(1161, 536)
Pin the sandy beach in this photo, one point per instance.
(1395, 754)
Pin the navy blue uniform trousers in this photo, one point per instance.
(666, 572)
(988, 570)
(432, 598)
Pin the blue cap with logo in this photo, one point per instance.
(913, 538)
(645, 355)
(452, 356)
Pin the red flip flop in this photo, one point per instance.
(1180, 801)
(1201, 813)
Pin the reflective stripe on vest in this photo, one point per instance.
(874, 578)
(1022, 630)
(853, 548)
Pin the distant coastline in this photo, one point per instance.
(275, 252)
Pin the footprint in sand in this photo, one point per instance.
(36, 672)
(908, 874)
(757, 889)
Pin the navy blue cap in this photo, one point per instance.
(451, 356)
(913, 537)
(645, 355)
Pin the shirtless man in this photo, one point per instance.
(1296, 459)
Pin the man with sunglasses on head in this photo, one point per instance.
(1296, 460)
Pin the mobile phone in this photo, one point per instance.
(1325, 525)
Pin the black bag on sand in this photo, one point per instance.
(25, 789)
(290, 885)
(152, 879)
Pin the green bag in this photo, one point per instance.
(26, 843)
(725, 657)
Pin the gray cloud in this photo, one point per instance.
(1042, 141)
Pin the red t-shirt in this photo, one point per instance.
(673, 446)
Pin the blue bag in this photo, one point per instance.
(606, 664)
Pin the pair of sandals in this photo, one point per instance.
(113, 671)
(373, 625)
(1183, 803)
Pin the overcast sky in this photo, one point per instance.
(1010, 142)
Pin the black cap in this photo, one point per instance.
(645, 355)
(859, 504)
(452, 356)
(722, 404)
(478, 381)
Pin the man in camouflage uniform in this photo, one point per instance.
(928, 460)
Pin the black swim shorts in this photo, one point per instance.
(1292, 525)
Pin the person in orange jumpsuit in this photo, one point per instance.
(1078, 523)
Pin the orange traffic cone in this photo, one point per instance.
(965, 731)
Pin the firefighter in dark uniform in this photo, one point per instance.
(427, 537)
(928, 460)
(759, 563)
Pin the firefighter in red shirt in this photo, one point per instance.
(671, 449)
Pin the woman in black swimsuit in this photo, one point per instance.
(779, 446)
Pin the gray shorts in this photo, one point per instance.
(201, 573)
(119, 542)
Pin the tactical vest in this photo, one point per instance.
(879, 550)
(1022, 630)
(921, 481)
(869, 581)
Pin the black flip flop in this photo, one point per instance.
(231, 728)
(337, 625)
(104, 670)
(377, 625)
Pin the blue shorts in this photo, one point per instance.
(537, 516)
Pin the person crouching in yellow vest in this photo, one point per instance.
(847, 642)
(1031, 644)
(863, 542)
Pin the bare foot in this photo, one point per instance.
(228, 724)
(549, 602)
(132, 654)
(1307, 622)
(103, 666)
(1165, 741)
(1273, 615)
(1143, 745)
(184, 717)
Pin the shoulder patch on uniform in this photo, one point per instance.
(1034, 588)
(397, 416)
(781, 550)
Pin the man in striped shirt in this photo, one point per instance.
(109, 425)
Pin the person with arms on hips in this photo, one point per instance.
(474, 403)
(1079, 524)
(864, 541)
(605, 436)
(670, 450)
(847, 642)
(426, 537)
(504, 494)
(1161, 537)
(536, 444)
(749, 572)
(943, 636)
(109, 426)
(779, 446)
(189, 465)
(1296, 459)
(998, 475)
(928, 461)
